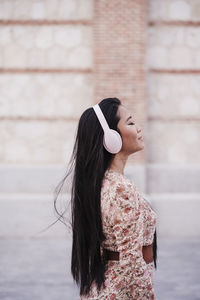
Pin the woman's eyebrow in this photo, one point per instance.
(129, 118)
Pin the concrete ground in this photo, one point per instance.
(39, 269)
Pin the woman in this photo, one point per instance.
(114, 237)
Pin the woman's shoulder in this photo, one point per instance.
(116, 180)
(117, 186)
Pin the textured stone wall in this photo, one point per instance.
(40, 46)
(173, 61)
(46, 79)
(174, 10)
(46, 10)
(56, 59)
(59, 57)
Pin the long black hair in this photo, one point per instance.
(89, 160)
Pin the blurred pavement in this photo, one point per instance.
(40, 269)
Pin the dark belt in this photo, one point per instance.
(110, 255)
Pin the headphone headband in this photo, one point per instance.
(101, 117)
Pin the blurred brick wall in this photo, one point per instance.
(119, 57)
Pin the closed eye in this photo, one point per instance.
(131, 123)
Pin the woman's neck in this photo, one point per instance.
(118, 163)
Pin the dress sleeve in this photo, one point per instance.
(150, 223)
(128, 228)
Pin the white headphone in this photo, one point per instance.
(111, 140)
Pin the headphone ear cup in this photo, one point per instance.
(112, 141)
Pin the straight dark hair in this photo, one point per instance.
(90, 160)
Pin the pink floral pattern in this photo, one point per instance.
(128, 223)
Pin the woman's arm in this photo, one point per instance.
(147, 252)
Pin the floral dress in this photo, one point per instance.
(128, 224)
